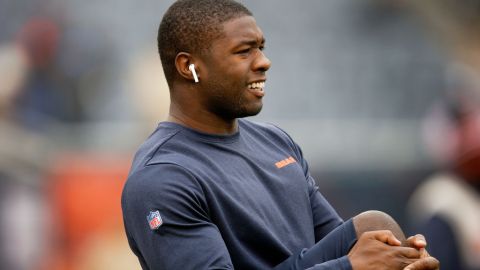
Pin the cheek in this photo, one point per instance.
(236, 70)
(232, 84)
(229, 78)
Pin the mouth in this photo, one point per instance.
(257, 88)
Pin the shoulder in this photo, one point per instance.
(443, 192)
(157, 178)
(158, 184)
(158, 167)
(150, 147)
(169, 144)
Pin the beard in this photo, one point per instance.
(230, 107)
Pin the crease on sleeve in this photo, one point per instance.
(342, 263)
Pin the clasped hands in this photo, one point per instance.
(381, 250)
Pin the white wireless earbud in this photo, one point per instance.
(191, 67)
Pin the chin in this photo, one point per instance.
(250, 111)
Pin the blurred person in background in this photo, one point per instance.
(44, 99)
(52, 73)
(23, 158)
(446, 206)
(68, 68)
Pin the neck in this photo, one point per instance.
(203, 121)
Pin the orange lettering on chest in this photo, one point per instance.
(285, 162)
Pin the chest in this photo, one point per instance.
(258, 193)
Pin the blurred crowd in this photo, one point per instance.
(55, 197)
(77, 96)
(59, 191)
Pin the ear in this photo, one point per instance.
(182, 62)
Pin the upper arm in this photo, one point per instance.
(325, 218)
(187, 237)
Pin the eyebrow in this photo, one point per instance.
(251, 42)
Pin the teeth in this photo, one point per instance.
(257, 85)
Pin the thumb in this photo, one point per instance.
(428, 263)
(386, 237)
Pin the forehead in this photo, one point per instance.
(238, 30)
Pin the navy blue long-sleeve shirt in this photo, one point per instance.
(244, 201)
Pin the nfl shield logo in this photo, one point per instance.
(154, 220)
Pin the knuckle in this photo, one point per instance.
(420, 236)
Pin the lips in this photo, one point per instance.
(256, 88)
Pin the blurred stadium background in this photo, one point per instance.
(81, 86)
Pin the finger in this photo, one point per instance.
(424, 253)
(386, 237)
(417, 241)
(408, 252)
(429, 263)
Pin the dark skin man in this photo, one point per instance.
(225, 92)
(211, 190)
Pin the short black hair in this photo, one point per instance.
(191, 26)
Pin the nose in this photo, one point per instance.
(261, 63)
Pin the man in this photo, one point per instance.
(446, 205)
(208, 190)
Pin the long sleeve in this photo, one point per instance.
(187, 239)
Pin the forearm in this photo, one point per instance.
(329, 253)
(298, 262)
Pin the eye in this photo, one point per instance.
(244, 51)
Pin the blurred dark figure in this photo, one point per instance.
(48, 96)
(447, 205)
